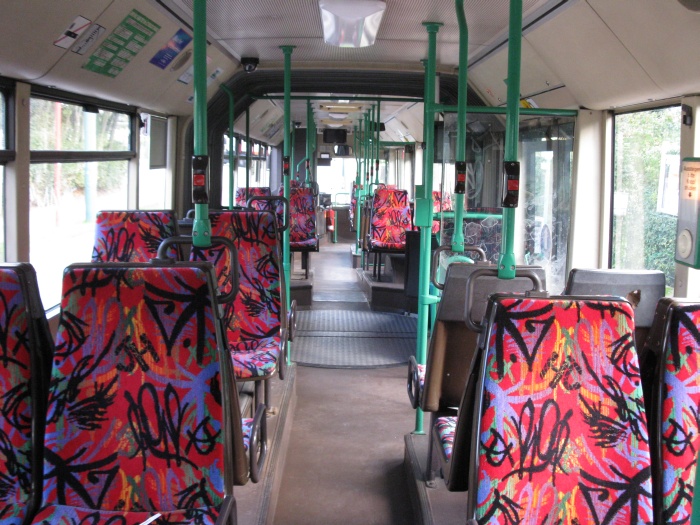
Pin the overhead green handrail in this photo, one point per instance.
(201, 226)
(457, 246)
(299, 164)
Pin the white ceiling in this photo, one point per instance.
(596, 54)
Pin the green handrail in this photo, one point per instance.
(423, 207)
(506, 260)
(201, 226)
(286, 264)
(460, 154)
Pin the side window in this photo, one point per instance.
(645, 185)
(3, 148)
(155, 178)
(80, 158)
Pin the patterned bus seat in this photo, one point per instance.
(133, 235)
(643, 288)
(671, 378)
(440, 204)
(256, 320)
(438, 387)
(26, 349)
(559, 432)
(143, 414)
(242, 199)
(302, 227)
(353, 206)
(390, 218)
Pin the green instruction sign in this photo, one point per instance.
(125, 42)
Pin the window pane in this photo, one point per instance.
(225, 175)
(154, 183)
(544, 211)
(66, 127)
(64, 200)
(3, 121)
(645, 199)
(2, 213)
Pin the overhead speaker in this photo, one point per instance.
(692, 5)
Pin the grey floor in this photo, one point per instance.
(345, 458)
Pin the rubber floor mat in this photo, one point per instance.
(353, 339)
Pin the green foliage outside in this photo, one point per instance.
(111, 133)
(644, 236)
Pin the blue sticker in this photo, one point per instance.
(175, 45)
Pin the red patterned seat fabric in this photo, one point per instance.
(440, 204)
(253, 319)
(562, 436)
(302, 219)
(242, 200)
(353, 202)
(391, 217)
(446, 430)
(132, 236)
(680, 429)
(15, 400)
(135, 423)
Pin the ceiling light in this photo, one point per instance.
(336, 123)
(338, 115)
(351, 23)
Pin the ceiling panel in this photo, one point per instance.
(27, 43)
(258, 27)
(591, 60)
(663, 37)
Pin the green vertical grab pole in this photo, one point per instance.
(506, 261)
(248, 151)
(228, 92)
(460, 155)
(372, 177)
(286, 264)
(376, 162)
(201, 226)
(309, 129)
(424, 209)
(695, 514)
(358, 181)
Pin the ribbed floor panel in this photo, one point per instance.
(353, 339)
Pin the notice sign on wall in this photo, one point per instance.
(125, 42)
(167, 53)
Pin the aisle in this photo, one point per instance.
(345, 459)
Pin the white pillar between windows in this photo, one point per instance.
(687, 279)
(17, 182)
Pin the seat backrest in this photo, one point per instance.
(242, 198)
(133, 235)
(143, 409)
(643, 288)
(559, 430)
(441, 203)
(671, 378)
(302, 215)
(482, 228)
(353, 201)
(391, 217)
(25, 357)
(453, 344)
(258, 311)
